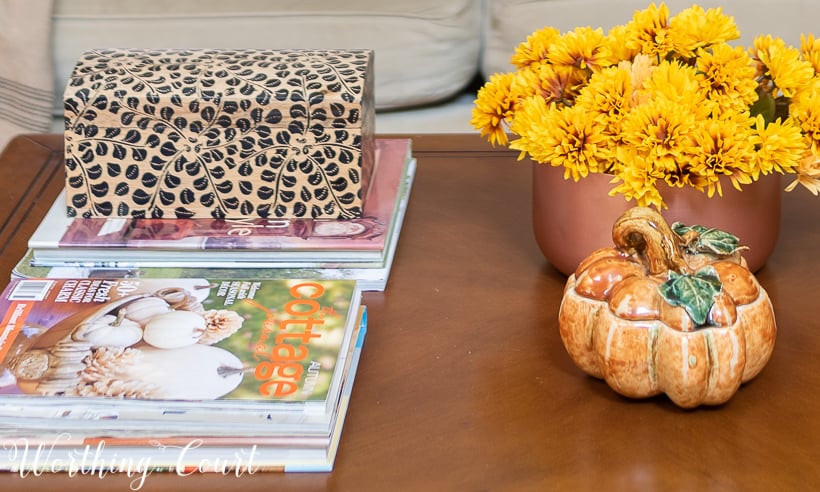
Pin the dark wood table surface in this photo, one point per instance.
(464, 383)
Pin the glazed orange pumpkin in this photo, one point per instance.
(669, 310)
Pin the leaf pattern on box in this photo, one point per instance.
(218, 133)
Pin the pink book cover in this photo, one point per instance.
(366, 233)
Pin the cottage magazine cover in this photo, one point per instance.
(244, 347)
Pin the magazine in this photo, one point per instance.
(184, 345)
(167, 419)
(372, 276)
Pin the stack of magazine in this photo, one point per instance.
(362, 248)
(190, 375)
(213, 345)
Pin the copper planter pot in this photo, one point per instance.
(573, 219)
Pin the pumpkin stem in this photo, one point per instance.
(644, 231)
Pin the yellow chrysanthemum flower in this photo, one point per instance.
(637, 179)
(679, 83)
(805, 96)
(810, 50)
(648, 32)
(607, 97)
(564, 137)
(584, 49)
(618, 45)
(543, 79)
(525, 82)
(725, 151)
(531, 121)
(806, 112)
(661, 130)
(779, 146)
(535, 48)
(693, 29)
(782, 64)
(726, 75)
(492, 106)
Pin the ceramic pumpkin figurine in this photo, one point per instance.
(668, 311)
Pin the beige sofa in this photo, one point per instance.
(430, 54)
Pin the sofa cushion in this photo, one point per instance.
(511, 21)
(425, 50)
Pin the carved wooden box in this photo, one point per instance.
(219, 133)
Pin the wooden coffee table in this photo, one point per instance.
(464, 383)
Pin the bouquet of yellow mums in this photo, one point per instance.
(660, 99)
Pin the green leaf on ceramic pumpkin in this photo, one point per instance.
(694, 292)
(709, 240)
(718, 242)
